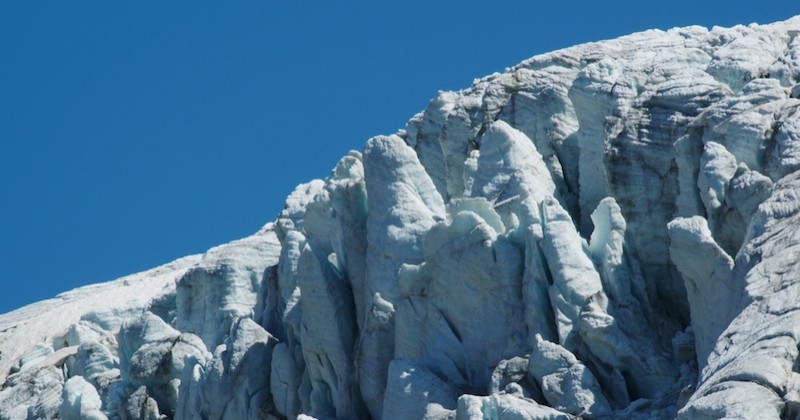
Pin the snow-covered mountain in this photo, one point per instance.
(609, 230)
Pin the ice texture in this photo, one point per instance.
(611, 230)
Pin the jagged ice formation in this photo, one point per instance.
(609, 230)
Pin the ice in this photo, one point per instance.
(223, 286)
(717, 167)
(752, 366)
(573, 275)
(80, 401)
(469, 325)
(139, 406)
(505, 406)
(508, 166)
(403, 204)
(234, 384)
(710, 285)
(328, 335)
(414, 392)
(604, 231)
(566, 383)
(154, 355)
(36, 391)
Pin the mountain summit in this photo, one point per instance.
(608, 230)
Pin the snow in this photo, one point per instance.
(605, 230)
(91, 308)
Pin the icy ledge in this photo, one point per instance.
(609, 230)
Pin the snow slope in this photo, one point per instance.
(608, 230)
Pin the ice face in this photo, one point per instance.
(605, 230)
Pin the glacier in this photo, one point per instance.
(610, 230)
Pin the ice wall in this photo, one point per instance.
(608, 230)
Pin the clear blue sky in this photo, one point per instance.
(133, 133)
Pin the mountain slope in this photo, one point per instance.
(605, 230)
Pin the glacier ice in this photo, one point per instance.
(604, 231)
(566, 383)
(80, 401)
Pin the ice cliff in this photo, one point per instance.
(609, 230)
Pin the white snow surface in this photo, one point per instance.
(605, 231)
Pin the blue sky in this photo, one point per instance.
(133, 133)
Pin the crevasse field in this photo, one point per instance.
(609, 230)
